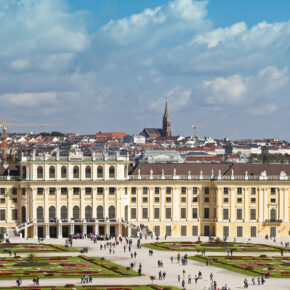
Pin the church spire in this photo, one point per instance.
(166, 128)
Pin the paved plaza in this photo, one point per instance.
(150, 265)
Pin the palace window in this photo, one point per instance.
(239, 190)
(51, 172)
(100, 172)
(39, 191)
(157, 190)
(133, 213)
(76, 190)
(253, 190)
(206, 199)
(100, 191)
(183, 213)
(14, 200)
(253, 214)
(133, 199)
(168, 213)
(194, 190)
(239, 214)
(112, 172)
(183, 199)
(194, 212)
(206, 190)
(145, 199)
(14, 191)
(273, 190)
(156, 213)
(168, 190)
(156, 199)
(226, 190)
(239, 200)
(76, 172)
(226, 200)
(2, 214)
(273, 200)
(23, 190)
(183, 190)
(63, 172)
(145, 190)
(63, 191)
(206, 213)
(225, 214)
(168, 199)
(194, 199)
(52, 191)
(112, 190)
(39, 172)
(253, 200)
(88, 172)
(145, 212)
(88, 190)
(133, 190)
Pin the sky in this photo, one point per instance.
(110, 65)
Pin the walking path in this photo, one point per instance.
(150, 266)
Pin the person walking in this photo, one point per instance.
(189, 279)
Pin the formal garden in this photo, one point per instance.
(278, 267)
(34, 248)
(60, 267)
(214, 246)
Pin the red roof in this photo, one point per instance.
(204, 158)
(111, 135)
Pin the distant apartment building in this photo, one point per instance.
(134, 139)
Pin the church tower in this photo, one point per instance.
(166, 128)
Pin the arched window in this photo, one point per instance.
(111, 172)
(23, 172)
(112, 212)
(126, 212)
(88, 212)
(125, 171)
(51, 172)
(51, 212)
(23, 214)
(39, 213)
(63, 213)
(100, 172)
(39, 172)
(100, 212)
(88, 172)
(76, 212)
(273, 215)
(76, 172)
(63, 172)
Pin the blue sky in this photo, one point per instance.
(109, 65)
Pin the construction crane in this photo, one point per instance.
(5, 125)
(195, 127)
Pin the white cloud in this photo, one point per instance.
(222, 90)
(177, 99)
(240, 90)
(213, 38)
(158, 23)
(29, 99)
(264, 110)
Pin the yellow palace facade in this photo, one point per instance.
(56, 196)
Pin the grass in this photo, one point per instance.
(34, 248)
(252, 266)
(133, 287)
(61, 267)
(213, 247)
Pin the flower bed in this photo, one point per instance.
(218, 246)
(54, 267)
(250, 265)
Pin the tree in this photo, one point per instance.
(152, 278)
(32, 258)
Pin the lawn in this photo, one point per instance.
(214, 247)
(279, 267)
(137, 287)
(61, 267)
(34, 248)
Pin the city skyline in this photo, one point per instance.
(110, 67)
